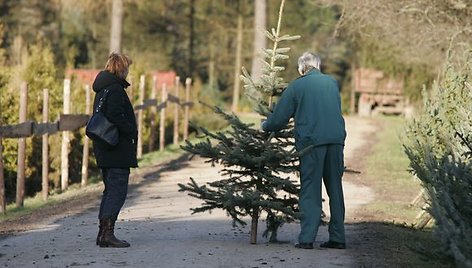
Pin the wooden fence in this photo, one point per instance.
(70, 122)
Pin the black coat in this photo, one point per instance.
(118, 110)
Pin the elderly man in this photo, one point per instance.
(313, 100)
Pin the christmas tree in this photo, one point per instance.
(256, 164)
(439, 147)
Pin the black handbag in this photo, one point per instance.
(99, 128)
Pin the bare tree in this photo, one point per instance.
(116, 26)
(260, 40)
(418, 32)
(237, 64)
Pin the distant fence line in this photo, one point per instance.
(70, 122)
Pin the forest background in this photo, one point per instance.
(200, 39)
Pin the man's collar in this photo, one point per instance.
(313, 71)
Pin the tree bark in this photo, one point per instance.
(211, 63)
(254, 222)
(3, 205)
(237, 65)
(116, 26)
(260, 40)
(191, 43)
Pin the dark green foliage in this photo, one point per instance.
(253, 163)
(256, 165)
(440, 150)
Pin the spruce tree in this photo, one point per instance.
(439, 147)
(256, 164)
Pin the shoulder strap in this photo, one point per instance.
(102, 100)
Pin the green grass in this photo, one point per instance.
(169, 153)
(252, 118)
(32, 204)
(387, 173)
(390, 217)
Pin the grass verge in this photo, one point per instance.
(76, 192)
(389, 219)
(387, 173)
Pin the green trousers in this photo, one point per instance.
(322, 162)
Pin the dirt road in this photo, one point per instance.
(156, 221)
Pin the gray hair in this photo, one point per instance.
(308, 61)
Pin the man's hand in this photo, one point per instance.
(263, 122)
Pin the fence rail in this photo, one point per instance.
(72, 122)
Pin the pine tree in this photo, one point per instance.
(256, 164)
(439, 147)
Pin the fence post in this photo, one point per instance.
(65, 140)
(188, 83)
(162, 127)
(140, 117)
(20, 179)
(3, 205)
(45, 148)
(86, 150)
(354, 88)
(153, 113)
(130, 90)
(176, 111)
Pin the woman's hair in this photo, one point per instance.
(308, 61)
(118, 64)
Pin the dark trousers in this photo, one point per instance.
(114, 195)
(322, 163)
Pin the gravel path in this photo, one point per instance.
(156, 221)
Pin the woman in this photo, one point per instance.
(115, 162)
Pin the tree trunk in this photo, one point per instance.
(237, 65)
(254, 221)
(3, 202)
(116, 26)
(191, 38)
(211, 63)
(260, 40)
(211, 52)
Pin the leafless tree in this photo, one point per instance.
(419, 31)
(260, 40)
(116, 26)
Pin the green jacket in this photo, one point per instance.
(314, 102)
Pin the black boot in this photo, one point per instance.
(100, 232)
(108, 238)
